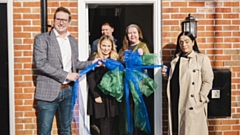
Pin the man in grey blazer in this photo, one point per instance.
(56, 59)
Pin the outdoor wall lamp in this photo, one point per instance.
(190, 25)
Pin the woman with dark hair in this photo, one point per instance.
(195, 46)
(189, 82)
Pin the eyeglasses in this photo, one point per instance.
(61, 20)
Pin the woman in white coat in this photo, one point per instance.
(189, 82)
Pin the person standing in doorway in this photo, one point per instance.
(55, 56)
(102, 108)
(133, 40)
(189, 82)
(106, 29)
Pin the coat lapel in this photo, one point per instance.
(54, 42)
(73, 50)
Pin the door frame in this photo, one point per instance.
(83, 35)
(10, 65)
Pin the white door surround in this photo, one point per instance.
(84, 42)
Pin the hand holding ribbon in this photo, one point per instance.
(119, 82)
(78, 110)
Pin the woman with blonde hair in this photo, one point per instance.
(102, 108)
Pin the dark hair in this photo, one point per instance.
(190, 35)
(62, 9)
(108, 23)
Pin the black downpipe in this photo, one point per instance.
(44, 17)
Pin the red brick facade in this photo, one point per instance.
(218, 37)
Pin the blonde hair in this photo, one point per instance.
(113, 54)
(126, 41)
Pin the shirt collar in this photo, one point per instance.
(57, 35)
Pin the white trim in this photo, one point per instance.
(83, 54)
(11, 65)
(83, 48)
(157, 72)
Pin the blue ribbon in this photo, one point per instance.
(133, 62)
(134, 66)
(76, 84)
(77, 101)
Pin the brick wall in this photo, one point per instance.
(218, 36)
(27, 24)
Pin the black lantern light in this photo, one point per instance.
(190, 25)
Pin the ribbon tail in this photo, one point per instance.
(126, 118)
(129, 115)
(75, 106)
(78, 110)
(140, 110)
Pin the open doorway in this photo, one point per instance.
(146, 14)
(120, 16)
(4, 79)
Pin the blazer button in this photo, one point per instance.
(192, 95)
(192, 83)
(191, 108)
(194, 70)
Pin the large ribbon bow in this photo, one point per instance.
(120, 81)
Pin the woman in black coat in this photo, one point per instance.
(103, 109)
